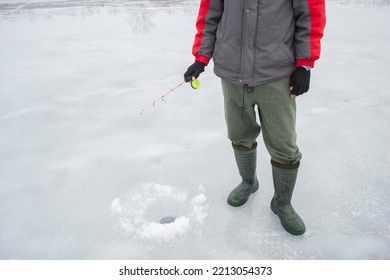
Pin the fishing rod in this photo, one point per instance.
(195, 84)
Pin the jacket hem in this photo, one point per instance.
(257, 83)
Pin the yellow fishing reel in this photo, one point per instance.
(195, 84)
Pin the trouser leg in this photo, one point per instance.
(243, 130)
(277, 113)
(240, 114)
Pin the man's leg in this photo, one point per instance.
(243, 130)
(277, 113)
(240, 115)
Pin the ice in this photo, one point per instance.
(84, 176)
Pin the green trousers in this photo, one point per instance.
(276, 113)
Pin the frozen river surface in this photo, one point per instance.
(84, 176)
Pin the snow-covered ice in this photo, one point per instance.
(84, 176)
(141, 215)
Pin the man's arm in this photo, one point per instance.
(310, 19)
(210, 12)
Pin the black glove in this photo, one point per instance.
(194, 70)
(300, 81)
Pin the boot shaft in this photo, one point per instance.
(246, 163)
(284, 178)
(246, 160)
(284, 183)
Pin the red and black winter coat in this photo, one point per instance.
(257, 41)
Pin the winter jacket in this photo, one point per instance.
(257, 41)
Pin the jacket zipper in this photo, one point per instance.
(254, 41)
(244, 36)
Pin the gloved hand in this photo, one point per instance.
(194, 70)
(299, 81)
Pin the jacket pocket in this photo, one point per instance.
(282, 54)
(227, 57)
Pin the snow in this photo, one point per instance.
(84, 176)
(140, 215)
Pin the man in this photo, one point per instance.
(263, 51)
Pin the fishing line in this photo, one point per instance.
(195, 84)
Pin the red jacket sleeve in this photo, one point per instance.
(210, 12)
(310, 19)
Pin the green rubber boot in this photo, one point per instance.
(246, 163)
(284, 177)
